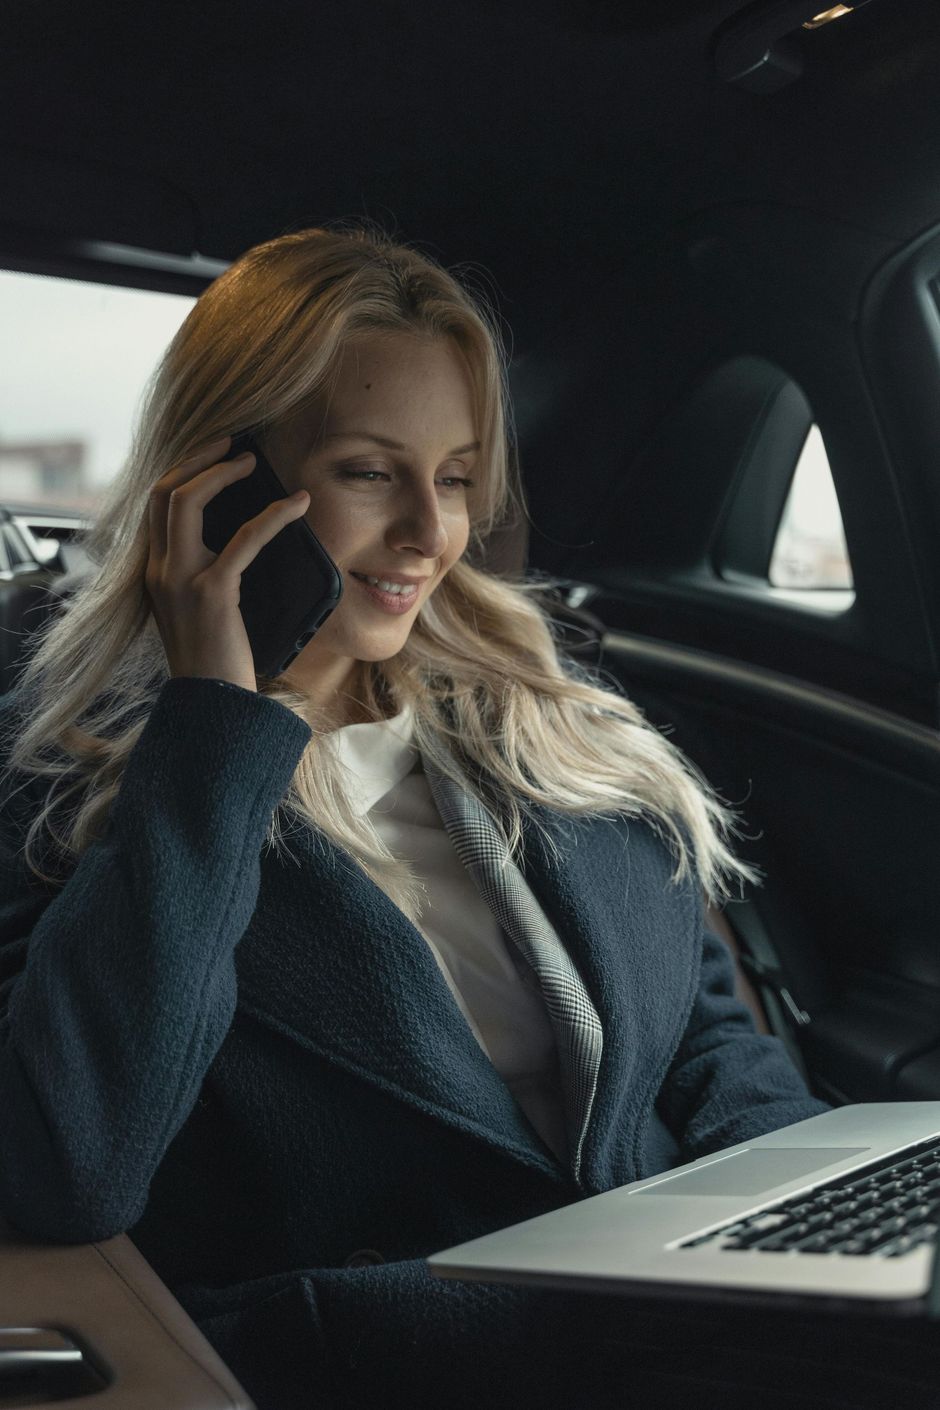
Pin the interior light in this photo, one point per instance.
(758, 48)
(825, 16)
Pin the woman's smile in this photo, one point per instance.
(389, 594)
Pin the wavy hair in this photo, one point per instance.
(496, 706)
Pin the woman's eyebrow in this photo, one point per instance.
(389, 444)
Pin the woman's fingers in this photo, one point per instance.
(195, 593)
(185, 503)
(159, 495)
(245, 545)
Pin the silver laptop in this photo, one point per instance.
(841, 1207)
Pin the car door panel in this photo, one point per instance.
(142, 1352)
(839, 804)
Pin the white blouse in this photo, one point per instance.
(494, 988)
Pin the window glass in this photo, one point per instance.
(74, 360)
(810, 551)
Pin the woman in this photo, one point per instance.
(272, 1001)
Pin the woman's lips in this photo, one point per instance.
(394, 602)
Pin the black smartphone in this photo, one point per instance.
(292, 586)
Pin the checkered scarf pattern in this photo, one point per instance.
(578, 1032)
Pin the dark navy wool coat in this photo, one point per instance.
(254, 1065)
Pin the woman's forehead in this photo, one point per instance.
(399, 387)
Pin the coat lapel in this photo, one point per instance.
(633, 934)
(579, 1036)
(332, 961)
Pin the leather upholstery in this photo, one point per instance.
(109, 1299)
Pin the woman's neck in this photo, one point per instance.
(337, 702)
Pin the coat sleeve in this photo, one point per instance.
(117, 990)
(727, 1082)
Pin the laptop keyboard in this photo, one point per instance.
(887, 1208)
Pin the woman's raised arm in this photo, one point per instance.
(117, 991)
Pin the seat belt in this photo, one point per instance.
(761, 963)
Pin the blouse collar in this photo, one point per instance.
(377, 756)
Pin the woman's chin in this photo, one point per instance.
(377, 643)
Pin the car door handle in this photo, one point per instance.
(32, 1348)
(44, 1360)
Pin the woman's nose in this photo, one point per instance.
(419, 526)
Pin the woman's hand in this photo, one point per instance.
(195, 593)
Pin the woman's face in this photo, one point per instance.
(388, 462)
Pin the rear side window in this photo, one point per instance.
(74, 360)
(781, 533)
(810, 551)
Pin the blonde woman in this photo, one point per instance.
(272, 998)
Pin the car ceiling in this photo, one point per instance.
(534, 140)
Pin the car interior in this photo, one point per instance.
(712, 233)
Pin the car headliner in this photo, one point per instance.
(537, 140)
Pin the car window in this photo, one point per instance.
(810, 551)
(73, 363)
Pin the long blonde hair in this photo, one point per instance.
(495, 704)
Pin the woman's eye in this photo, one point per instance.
(363, 472)
(370, 475)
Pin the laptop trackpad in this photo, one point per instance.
(752, 1172)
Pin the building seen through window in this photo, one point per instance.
(74, 361)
